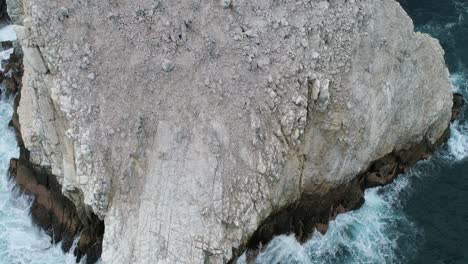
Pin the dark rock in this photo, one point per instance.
(322, 228)
(458, 102)
(7, 45)
(10, 85)
(3, 11)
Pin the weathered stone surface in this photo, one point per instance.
(185, 166)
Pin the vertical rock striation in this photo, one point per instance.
(185, 125)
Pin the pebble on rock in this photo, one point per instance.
(225, 3)
(168, 65)
(315, 55)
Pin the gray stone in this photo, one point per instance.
(315, 88)
(167, 65)
(324, 96)
(226, 3)
(91, 76)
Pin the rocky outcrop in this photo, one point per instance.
(185, 126)
(458, 103)
(50, 209)
(15, 9)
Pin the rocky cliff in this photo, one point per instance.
(186, 125)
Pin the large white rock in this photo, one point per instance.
(183, 166)
(32, 55)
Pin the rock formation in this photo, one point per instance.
(56, 214)
(188, 125)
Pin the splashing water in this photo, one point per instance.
(7, 33)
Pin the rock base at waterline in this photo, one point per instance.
(313, 211)
(55, 213)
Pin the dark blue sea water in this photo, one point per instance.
(439, 203)
(423, 216)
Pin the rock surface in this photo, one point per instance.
(264, 102)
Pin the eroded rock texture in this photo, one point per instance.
(185, 124)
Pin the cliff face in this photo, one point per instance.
(184, 125)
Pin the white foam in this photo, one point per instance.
(458, 142)
(459, 82)
(7, 33)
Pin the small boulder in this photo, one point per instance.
(91, 76)
(63, 13)
(324, 96)
(322, 228)
(167, 65)
(315, 89)
(226, 3)
(458, 102)
(10, 85)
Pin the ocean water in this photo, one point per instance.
(423, 216)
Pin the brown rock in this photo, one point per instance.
(15, 123)
(341, 209)
(13, 166)
(10, 85)
(322, 228)
(84, 242)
